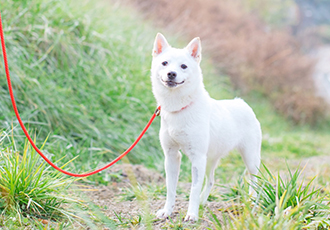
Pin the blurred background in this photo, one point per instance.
(278, 47)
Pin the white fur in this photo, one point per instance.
(202, 128)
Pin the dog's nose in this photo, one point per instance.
(171, 75)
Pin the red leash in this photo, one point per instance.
(156, 113)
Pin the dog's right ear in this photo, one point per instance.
(160, 45)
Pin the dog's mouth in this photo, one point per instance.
(171, 84)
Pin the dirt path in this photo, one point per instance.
(119, 202)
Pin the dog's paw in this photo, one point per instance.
(163, 213)
(191, 217)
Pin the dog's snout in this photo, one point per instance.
(171, 75)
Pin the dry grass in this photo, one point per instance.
(255, 57)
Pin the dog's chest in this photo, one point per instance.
(177, 129)
(179, 135)
(181, 129)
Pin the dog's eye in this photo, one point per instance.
(164, 63)
(183, 66)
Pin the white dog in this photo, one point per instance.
(191, 121)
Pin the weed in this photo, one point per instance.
(129, 193)
(279, 204)
(30, 188)
(179, 223)
(236, 191)
(106, 178)
(274, 195)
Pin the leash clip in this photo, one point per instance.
(157, 111)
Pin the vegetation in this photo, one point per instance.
(280, 203)
(33, 195)
(275, 13)
(28, 186)
(81, 78)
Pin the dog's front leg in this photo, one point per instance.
(198, 172)
(172, 168)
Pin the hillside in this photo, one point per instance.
(80, 78)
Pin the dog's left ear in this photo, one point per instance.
(195, 49)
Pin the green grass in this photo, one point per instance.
(289, 202)
(28, 186)
(285, 194)
(81, 76)
(35, 196)
(29, 189)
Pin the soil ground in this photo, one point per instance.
(114, 199)
(118, 200)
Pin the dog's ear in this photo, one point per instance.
(195, 49)
(160, 45)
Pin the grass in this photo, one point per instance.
(35, 196)
(282, 203)
(285, 194)
(81, 77)
(30, 189)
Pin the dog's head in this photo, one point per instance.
(173, 68)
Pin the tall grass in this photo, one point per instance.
(281, 202)
(81, 74)
(29, 188)
(275, 194)
(35, 196)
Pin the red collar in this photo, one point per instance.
(183, 107)
(157, 112)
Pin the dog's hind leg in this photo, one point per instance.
(209, 180)
(250, 152)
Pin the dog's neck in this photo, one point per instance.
(183, 108)
(175, 101)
